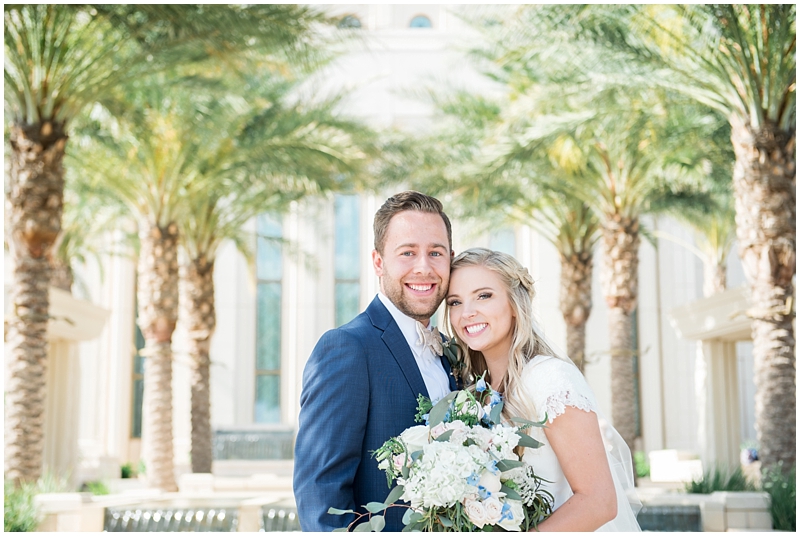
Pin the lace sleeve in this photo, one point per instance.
(552, 384)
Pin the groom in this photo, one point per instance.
(361, 383)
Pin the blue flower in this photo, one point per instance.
(473, 479)
(480, 385)
(496, 398)
(426, 417)
(484, 493)
(506, 512)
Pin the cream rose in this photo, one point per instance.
(490, 481)
(494, 509)
(475, 512)
(415, 438)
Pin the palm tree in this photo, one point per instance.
(627, 139)
(746, 70)
(448, 163)
(59, 59)
(271, 159)
(194, 166)
(739, 60)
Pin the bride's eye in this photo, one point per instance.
(484, 295)
(453, 303)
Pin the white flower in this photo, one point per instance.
(513, 524)
(490, 481)
(475, 512)
(494, 509)
(415, 438)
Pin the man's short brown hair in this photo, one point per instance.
(409, 200)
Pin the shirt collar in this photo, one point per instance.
(407, 325)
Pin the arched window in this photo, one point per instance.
(349, 22)
(420, 21)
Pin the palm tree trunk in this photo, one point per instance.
(62, 276)
(158, 314)
(202, 322)
(620, 245)
(765, 188)
(715, 277)
(576, 301)
(34, 205)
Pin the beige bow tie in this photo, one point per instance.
(429, 338)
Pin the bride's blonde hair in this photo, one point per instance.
(525, 342)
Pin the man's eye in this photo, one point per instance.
(407, 253)
(436, 254)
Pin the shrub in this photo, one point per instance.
(640, 464)
(126, 470)
(720, 479)
(782, 489)
(19, 513)
(96, 487)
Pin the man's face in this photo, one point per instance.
(414, 268)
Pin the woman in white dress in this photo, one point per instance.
(587, 464)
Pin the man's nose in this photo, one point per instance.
(423, 264)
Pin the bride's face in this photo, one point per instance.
(480, 311)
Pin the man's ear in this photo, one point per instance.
(377, 263)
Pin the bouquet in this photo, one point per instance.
(461, 470)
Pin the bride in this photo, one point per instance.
(587, 464)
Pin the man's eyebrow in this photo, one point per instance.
(415, 245)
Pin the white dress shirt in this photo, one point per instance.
(430, 364)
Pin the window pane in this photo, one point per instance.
(268, 330)
(268, 396)
(420, 21)
(347, 295)
(349, 21)
(346, 238)
(138, 398)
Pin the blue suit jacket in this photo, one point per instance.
(360, 388)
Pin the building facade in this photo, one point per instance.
(269, 319)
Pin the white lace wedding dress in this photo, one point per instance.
(549, 385)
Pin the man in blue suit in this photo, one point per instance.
(361, 382)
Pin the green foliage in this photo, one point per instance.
(95, 487)
(720, 479)
(127, 471)
(19, 513)
(641, 464)
(782, 489)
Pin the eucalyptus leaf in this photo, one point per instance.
(394, 495)
(363, 527)
(407, 517)
(377, 523)
(375, 507)
(507, 465)
(510, 493)
(494, 416)
(527, 441)
(338, 512)
(340, 529)
(445, 436)
(446, 521)
(441, 408)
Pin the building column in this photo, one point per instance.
(718, 404)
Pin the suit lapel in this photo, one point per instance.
(397, 345)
